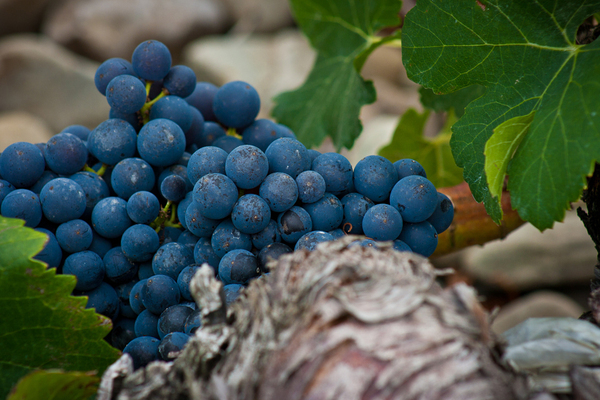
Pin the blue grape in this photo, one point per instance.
(174, 109)
(284, 131)
(172, 343)
(232, 292)
(374, 177)
(421, 237)
(122, 333)
(260, 133)
(22, 164)
(82, 132)
(139, 242)
(151, 60)
(161, 142)
(178, 170)
(336, 170)
(87, 267)
(288, 156)
(132, 175)
(310, 240)
(7, 187)
(145, 270)
(159, 293)
(36, 188)
(193, 322)
(112, 141)
(267, 236)
(108, 70)
(238, 266)
(62, 200)
(23, 204)
(99, 245)
(126, 94)
(206, 160)
(173, 188)
(251, 214)
(227, 143)
(65, 154)
(135, 296)
(104, 300)
(173, 319)
(184, 279)
(270, 253)
(118, 268)
(326, 214)
(94, 187)
(51, 254)
(182, 208)
(236, 104)
(74, 236)
(171, 258)
(382, 222)
(188, 239)
(313, 154)
(134, 119)
(355, 207)
(415, 198)
(280, 191)
(399, 245)
(202, 99)
(210, 133)
(180, 81)
(293, 224)
(442, 217)
(195, 134)
(146, 324)
(364, 243)
(215, 194)
(407, 167)
(204, 253)
(143, 350)
(143, 207)
(197, 223)
(227, 237)
(311, 186)
(247, 166)
(337, 233)
(109, 217)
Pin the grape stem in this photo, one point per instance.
(100, 171)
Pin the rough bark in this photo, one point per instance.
(336, 323)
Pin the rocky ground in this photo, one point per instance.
(49, 50)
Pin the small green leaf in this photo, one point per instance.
(456, 100)
(433, 154)
(526, 56)
(500, 148)
(43, 326)
(344, 34)
(55, 385)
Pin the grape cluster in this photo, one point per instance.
(182, 173)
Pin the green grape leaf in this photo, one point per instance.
(525, 54)
(55, 385)
(433, 154)
(500, 148)
(457, 100)
(329, 102)
(43, 326)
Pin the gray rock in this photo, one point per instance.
(19, 126)
(528, 259)
(39, 77)
(102, 29)
(21, 16)
(270, 63)
(259, 16)
(543, 303)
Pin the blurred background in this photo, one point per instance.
(50, 49)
